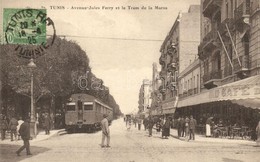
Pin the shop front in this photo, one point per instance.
(237, 103)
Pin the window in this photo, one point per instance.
(88, 107)
(71, 107)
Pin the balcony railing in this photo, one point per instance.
(162, 60)
(244, 60)
(209, 6)
(230, 23)
(227, 71)
(255, 64)
(209, 40)
(212, 75)
(242, 10)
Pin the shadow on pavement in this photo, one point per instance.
(7, 152)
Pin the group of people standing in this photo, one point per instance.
(13, 126)
(162, 124)
(186, 127)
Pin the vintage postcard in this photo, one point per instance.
(130, 80)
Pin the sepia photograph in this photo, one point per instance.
(130, 80)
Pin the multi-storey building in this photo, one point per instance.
(229, 55)
(145, 97)
(178, 50)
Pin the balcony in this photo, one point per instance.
(162, 60)
(162, 89)
(229, 22)
(243, 69)
(242, 15)
(209, 43)
(172, 66)
(255, 64)
(227, 71)
(163, 74)
(210, 6)
(212, 79)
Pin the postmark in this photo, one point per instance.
(27, 28)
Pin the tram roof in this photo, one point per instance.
(87, 98)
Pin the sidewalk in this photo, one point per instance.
(202, 138)
(40, 137)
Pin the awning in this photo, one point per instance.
(169, 107)
(244, 92)
(248, 88)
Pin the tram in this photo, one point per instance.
(85, 112)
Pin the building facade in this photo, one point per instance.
(229, 53)
(144, 102)
(178, 50)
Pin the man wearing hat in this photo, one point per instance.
(25, 135)
(105, 131)
(193, 124)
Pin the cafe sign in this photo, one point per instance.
(235, 92)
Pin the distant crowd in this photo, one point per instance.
(186, 127)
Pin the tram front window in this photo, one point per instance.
(70, 107)
(88, 107)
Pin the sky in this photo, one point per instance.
(122, 44)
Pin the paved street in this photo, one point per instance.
(132, 146)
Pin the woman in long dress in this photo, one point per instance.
(258, 134)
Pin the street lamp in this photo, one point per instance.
(33, 128)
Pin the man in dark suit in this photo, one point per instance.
(25, 135)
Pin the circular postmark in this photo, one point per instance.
(27, 28)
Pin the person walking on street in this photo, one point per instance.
(105, 131)
(139, 123)
(47, 123)
(193, 124)
(187, 128)
(178, 126)
(166, 128)
(25, 134)
(3, 126)
(182, 125)
(150, 125)
(258, 134)
(20, 122)
(145, 122)
(13, 128)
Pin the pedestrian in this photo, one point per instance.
(13, 128)
(3, 126)
(139, 123)
(187, 128)
(105, 131)
(20, 122)
(158, 125)
(208, 127)
(129, 124)
(258, 134)
(150, 124)
(145, 123)
(47, 123)
(25, 134)
(134, 120)
(182, 125)
(178, 126)
(166, 128)
(193, 124)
